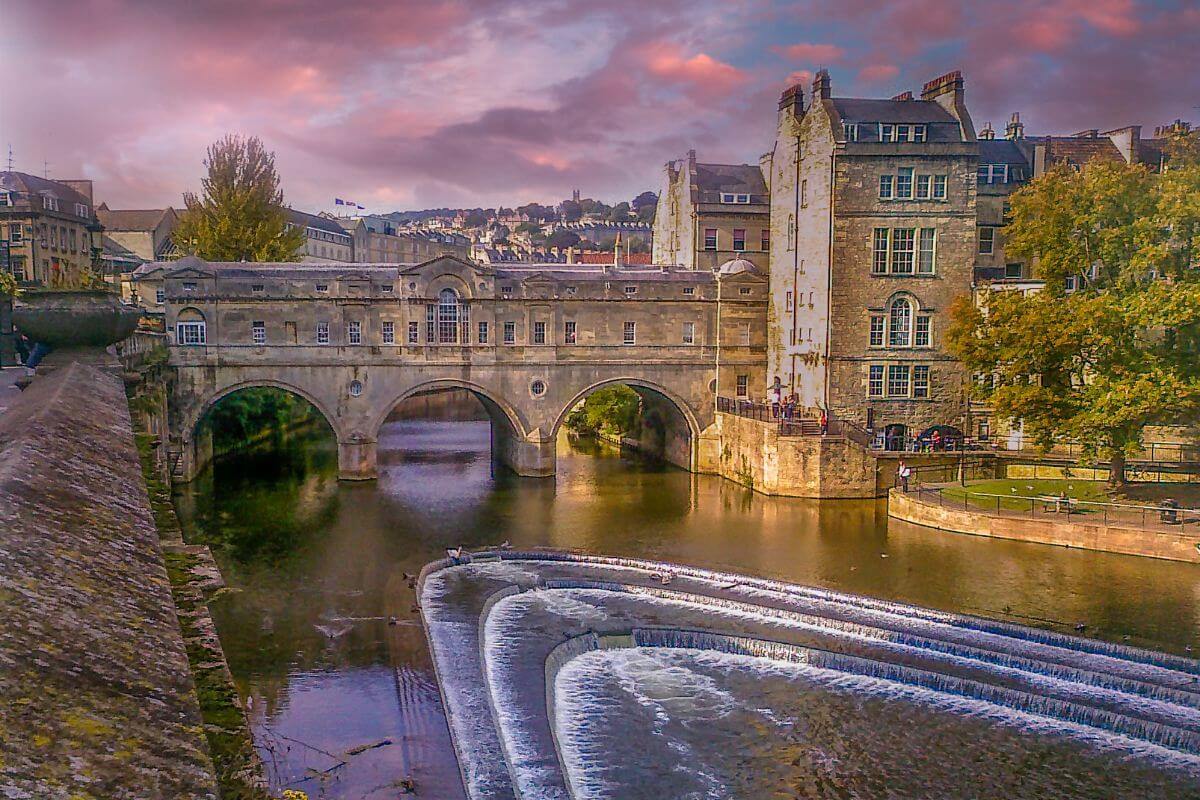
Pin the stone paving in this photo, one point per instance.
(96, 699)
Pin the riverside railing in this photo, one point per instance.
(806, 422)
(1162, 518)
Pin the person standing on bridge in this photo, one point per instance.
(903, 473)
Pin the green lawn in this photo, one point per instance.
(1012, 488)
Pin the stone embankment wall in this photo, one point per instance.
(96, 698)
(1172, 545)
(755, 455)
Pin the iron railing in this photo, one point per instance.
(1161, 518)
(798, 422)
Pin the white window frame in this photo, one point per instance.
(353, 332)
(414, 332)
(689, 290)
(482, 332)
(904, 249)
(875, 373)
(539, 332)
(6, 199)
(887, 132)
(850, 131)
(920, 383)
(388, 331)
(897, 335)
(742, 386)
(789, 302)
(510, 332)
(258, 332)
(881, 251)
(322, 287)
(191, 333)
(927, 251)
(904, 183)
(160, 296)
(875, 335)
(939, 187)
(322, 333)
(924, 187)
(887, 187)
(716, 239)
(629, 332)
(898, 376)
(689, 333)
(570, 334)
(922, 330)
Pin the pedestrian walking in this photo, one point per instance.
(904, 473)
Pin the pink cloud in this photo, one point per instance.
(700, 73)
(874, 73)
(820, 53)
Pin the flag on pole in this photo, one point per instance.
(337, 201)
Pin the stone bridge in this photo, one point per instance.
(530, 341)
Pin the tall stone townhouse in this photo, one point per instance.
(873, 205)
(709, 214)
(49, 227)
(324, 238)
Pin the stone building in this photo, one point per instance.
(49, 225)
(378, 241)
(144, 232)
(709, 214)
(874, 207)
(324, 238)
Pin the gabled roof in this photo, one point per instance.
(480, 268)
(148, 219)
(1079, 150)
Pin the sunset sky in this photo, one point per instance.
(417, 103)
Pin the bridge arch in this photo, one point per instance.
(675, 449)
(192, 422)
(499, 409)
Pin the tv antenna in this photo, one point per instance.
(10, 157)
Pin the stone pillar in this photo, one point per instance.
(529, 457)
(194, 453)
(356, 459)
(707, 451)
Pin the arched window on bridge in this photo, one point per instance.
(190, 328)
(447, 317)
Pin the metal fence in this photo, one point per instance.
(800, 422)
(1163, 518)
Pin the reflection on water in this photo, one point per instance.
(321, 567)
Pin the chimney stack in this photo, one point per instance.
(618, 260)
(904, 96)
(791, 102)
(822, 89)
(987, 133)
(1015, 129)
(949, 93)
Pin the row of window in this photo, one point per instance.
(904, 251)
(887, 132)
(386, 288)
(1000, 173)
(898, 380)
(900, 327)
(741, 199)
(711, 241)
(194, 332)
(907, 185)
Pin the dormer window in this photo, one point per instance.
(689, 290)
(322, 287)
(258, 288)
(49, 203)
(506, 290)
(82, 210)
(6, 199)
(993, 173)
(630, 290)
(850, 131)
(889, 132)
(386, 288)
(728, 197)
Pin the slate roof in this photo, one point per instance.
(1000, 151)
(1077, 151)
(26, 184)
(302, 218)
(853, 109)
(714, 179)
(145, 219)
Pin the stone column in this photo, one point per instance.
(529, 457)
(357, 458)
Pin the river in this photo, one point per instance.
(322, 633)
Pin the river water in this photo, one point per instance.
(344, 702)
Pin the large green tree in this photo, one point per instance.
(1120, 351)
(240, 215)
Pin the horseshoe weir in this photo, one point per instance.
(570, 676)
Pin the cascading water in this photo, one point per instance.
(552, 628)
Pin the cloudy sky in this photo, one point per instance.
(418, 103)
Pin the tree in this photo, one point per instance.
(619, 213)
(240, 215)
(1122, 351)
(562, 239)
(644, 206)
(570, 210)
(537, 212)
(476, 218)
(613, 410)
